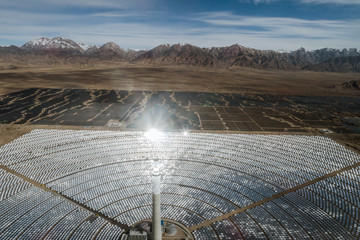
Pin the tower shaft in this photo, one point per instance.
(156, 218)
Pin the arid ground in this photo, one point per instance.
(202, 99)
(178, 78)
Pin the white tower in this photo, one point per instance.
(156, 219)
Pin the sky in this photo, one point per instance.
(145, 24)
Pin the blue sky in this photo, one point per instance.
(144, 24)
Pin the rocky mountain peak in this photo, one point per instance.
(56, 43)
(61, 50)
(36, 44)
(111, 46)
(109, 50)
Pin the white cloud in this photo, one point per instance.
(53, 4)
(340, 2)
(282, 27)
(115, 14)
(126, 14)
(217, 29)
(257, 1)
(287, 31)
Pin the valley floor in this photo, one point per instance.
(136, 97)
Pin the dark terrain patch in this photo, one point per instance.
(140, 110)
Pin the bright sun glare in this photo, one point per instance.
(154, 135)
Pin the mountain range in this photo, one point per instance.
(65, 51)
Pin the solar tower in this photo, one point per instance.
(156, 218)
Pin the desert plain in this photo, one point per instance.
(124, 96)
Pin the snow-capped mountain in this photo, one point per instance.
(35, 44)
(85, 46)
(55, 43)
(62, 50)
(283, 51)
